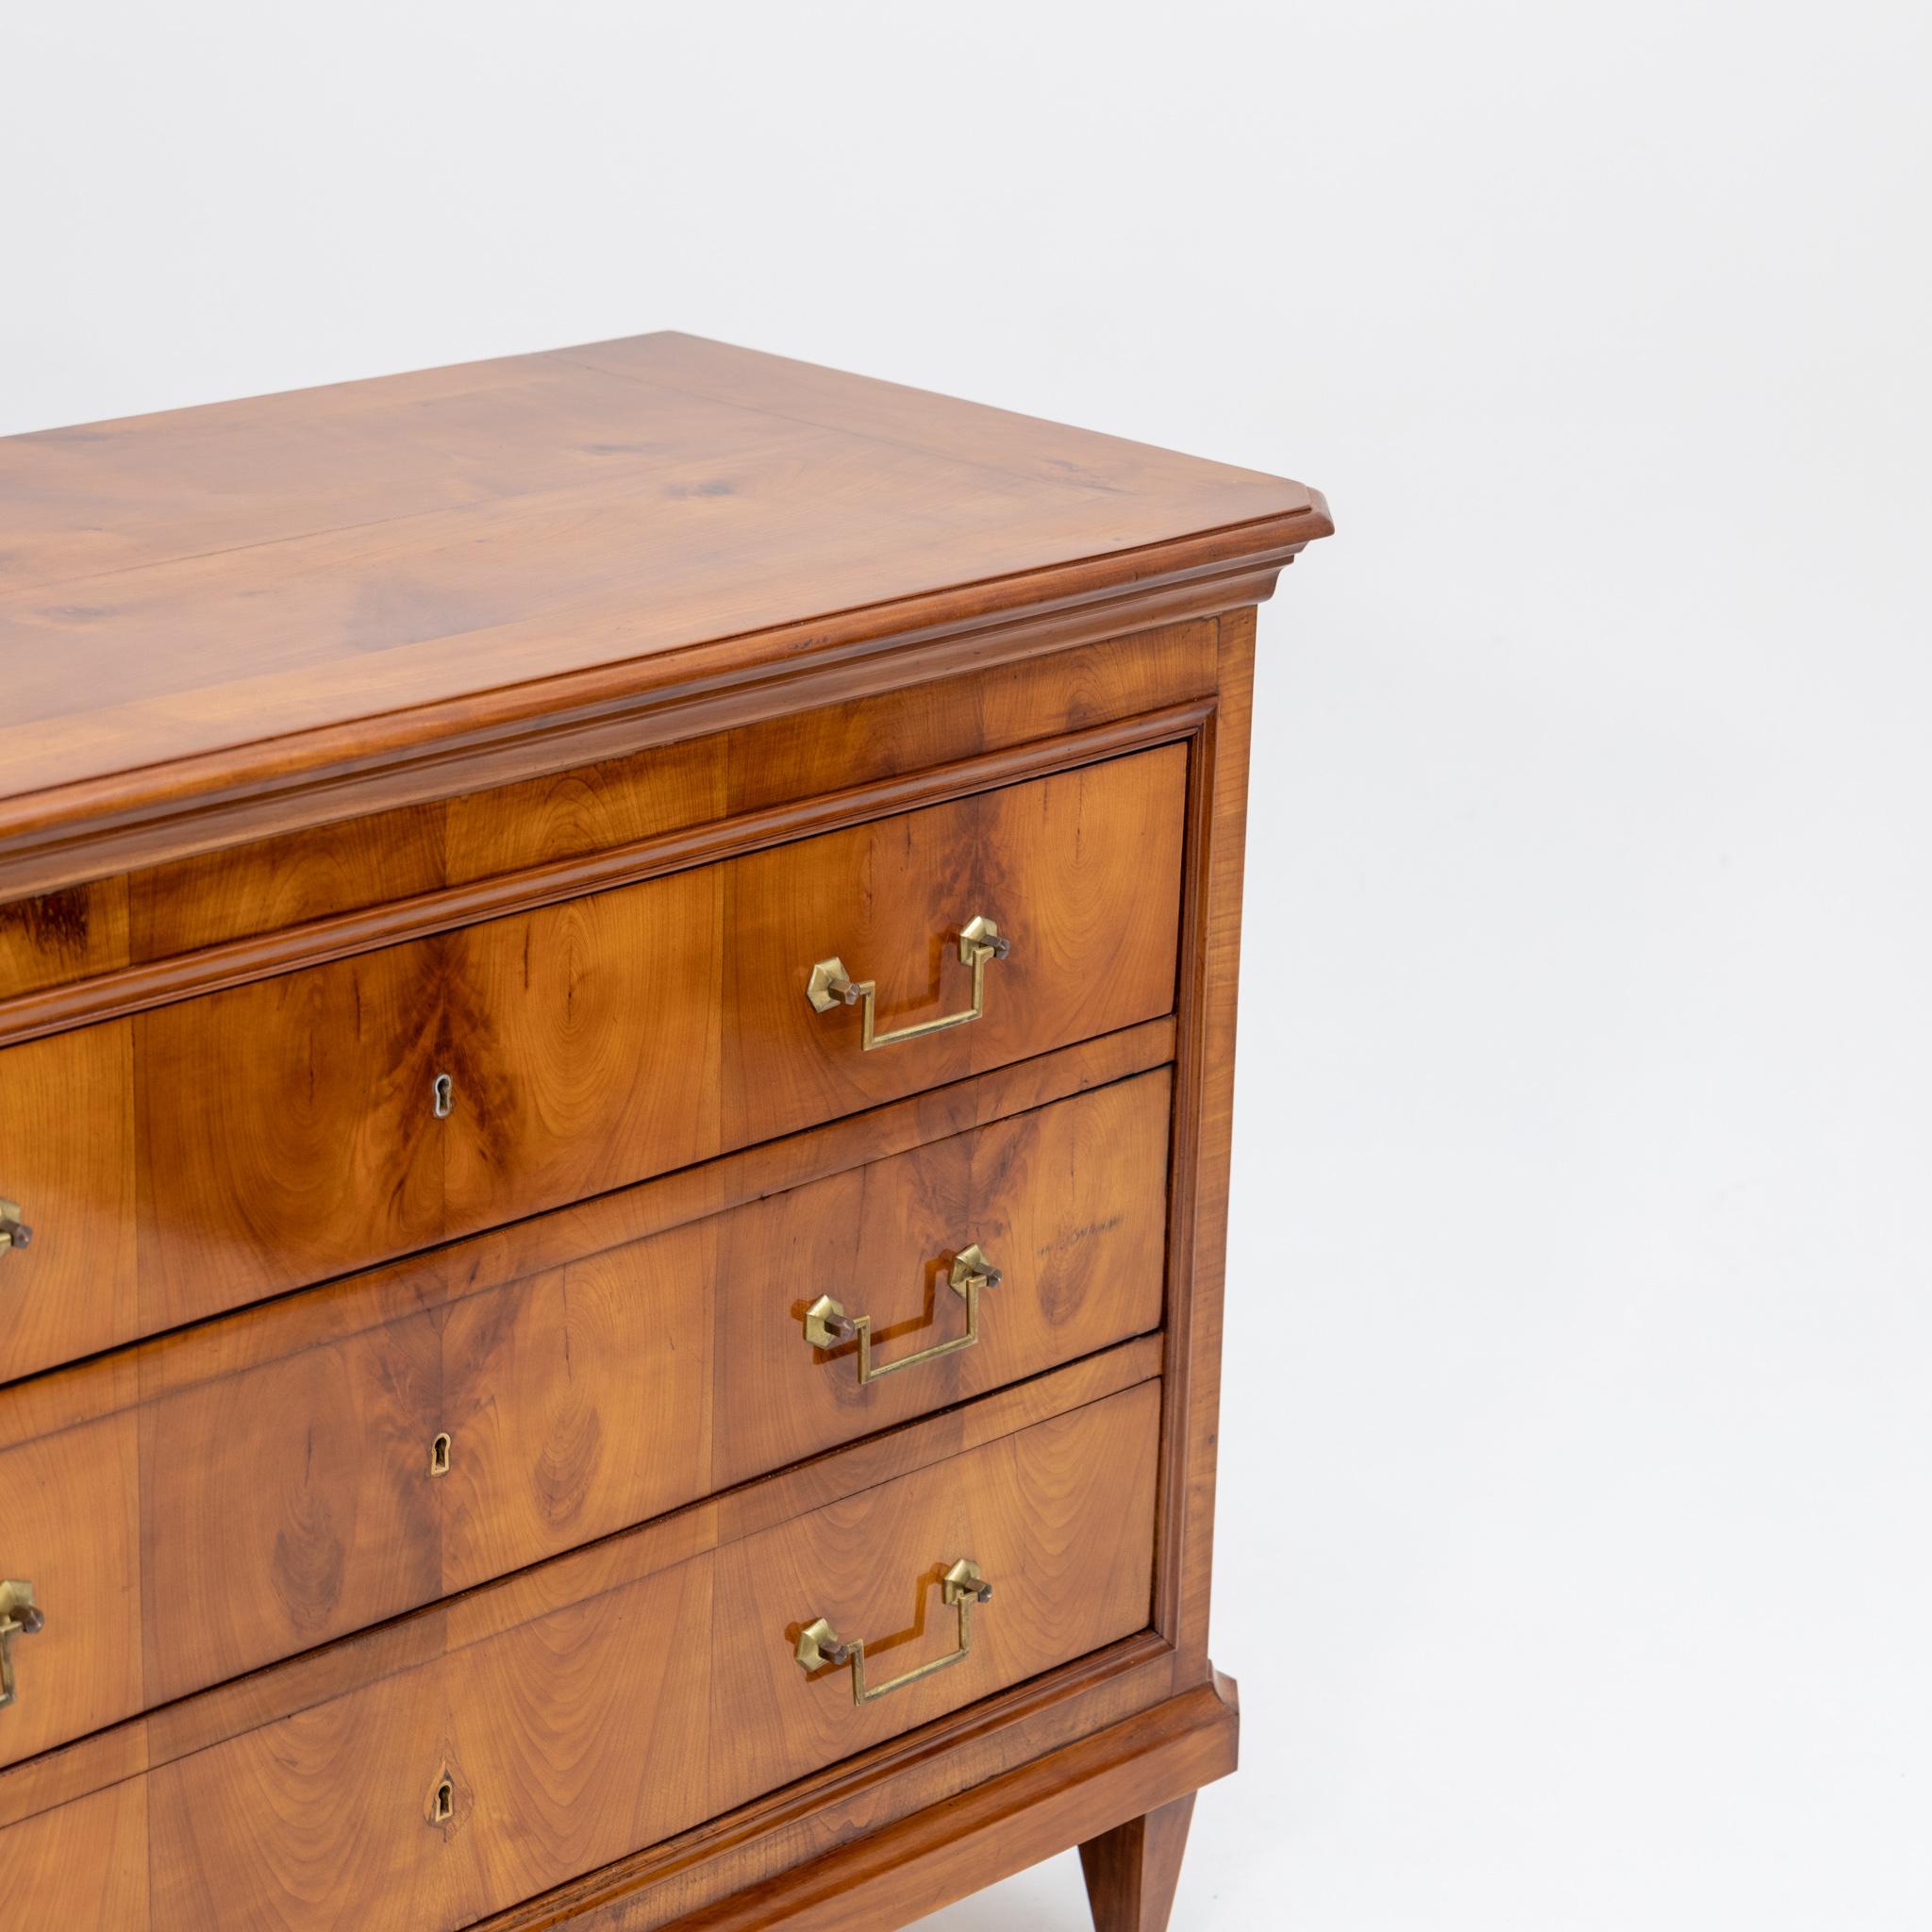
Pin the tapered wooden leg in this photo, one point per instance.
(1132, 1870)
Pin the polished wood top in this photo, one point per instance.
(222, 596)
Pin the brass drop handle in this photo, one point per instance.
(18, 1618)
(15, 1232)
(827, 1324)
(831, 986)
(961, 1587)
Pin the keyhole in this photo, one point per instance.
(443, 1806)
(445, 1090)
(439, 1455)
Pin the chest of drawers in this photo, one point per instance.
(617, 982)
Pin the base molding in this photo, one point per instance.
(890, 1877)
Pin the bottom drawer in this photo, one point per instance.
(556, 1722)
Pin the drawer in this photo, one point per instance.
(205, 1155)
(246, 1490)
(525, 1740)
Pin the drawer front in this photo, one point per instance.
(527, 1753)
(267, 886)
(241, 1514)
(202, 1156)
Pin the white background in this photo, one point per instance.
(1575, 1554)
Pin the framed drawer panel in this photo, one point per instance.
(232, 1498)
(540, 1739)
(206, 1154)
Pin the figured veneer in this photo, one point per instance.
(52, 939)
(66, 1130)
(527, 1699)
(238, 961)
(286, 1131)
(572, 1401)
(45, 1405)
(666, 797)
(912, 1829)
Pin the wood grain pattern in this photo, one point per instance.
(266, 1508)
(85, 1864)
(271, 885)
(534, 1725)
(67, 1144)
(238, 891)
(878, 1875)
(931, 1773)
(187, 1359)
(70, 1525)
(587, 1041)
(579, 1402)
(285, 1132)
(1204, 1138)
(282, 1507)
(1061, 1518)
(62, 936)
(337, 1669)
(291, 786)
(1082, 1260)
(200, 600)
(138, 987)
(1082, 872)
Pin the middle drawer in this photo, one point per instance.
(194, 1508)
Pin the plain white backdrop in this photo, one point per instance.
(1576, 1541)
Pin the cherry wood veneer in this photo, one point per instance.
(280, 608)
(426, 1503)
(120, 943)
(269, 1504)
(231, 1146)
(528, 1702)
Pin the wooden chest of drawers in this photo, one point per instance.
(617, 978)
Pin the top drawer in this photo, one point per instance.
(203, 1155)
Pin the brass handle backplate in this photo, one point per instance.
(15, 1232)
(827, 1324)
(18, 1618)
(961, 1587)
(831, 986)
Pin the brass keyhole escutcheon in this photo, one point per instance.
(443, 1801)
(443, 1096)
(439, 1455)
